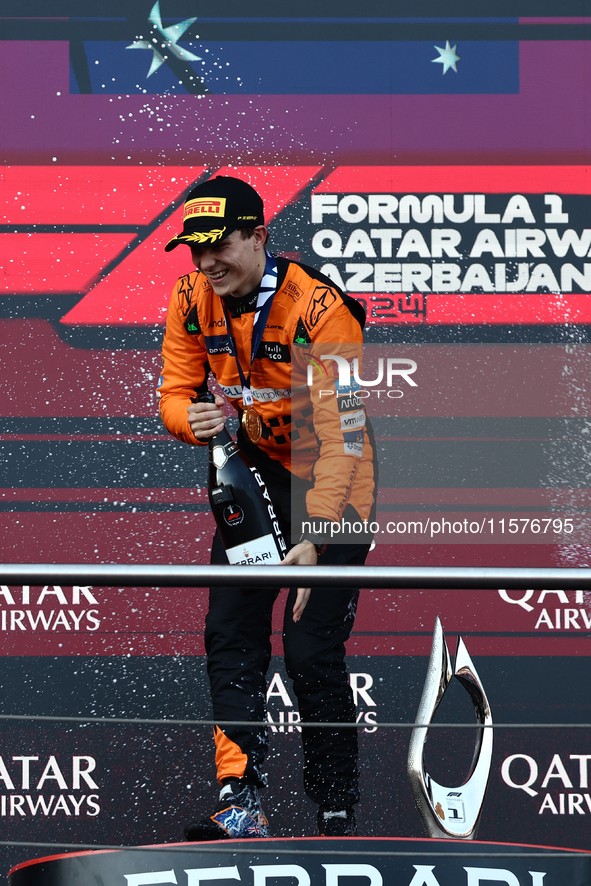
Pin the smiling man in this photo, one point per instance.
(234, 266)
(239, 316)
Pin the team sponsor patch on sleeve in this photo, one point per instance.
(350, 421)
(191, 323)
(353, 443)
(348, 401)
(347, 395)
(322, 299)
(185, 293)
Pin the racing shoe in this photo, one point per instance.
(239, 816)
(338, 823)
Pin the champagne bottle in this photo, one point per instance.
(241, 504)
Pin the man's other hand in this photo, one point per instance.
(302, 554)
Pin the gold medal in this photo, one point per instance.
(252, 424)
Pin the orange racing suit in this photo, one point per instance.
(310, 440)
(320, 439)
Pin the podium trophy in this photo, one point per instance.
(450, 812)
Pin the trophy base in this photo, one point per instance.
(314, 861)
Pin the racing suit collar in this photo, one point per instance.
(243, 305)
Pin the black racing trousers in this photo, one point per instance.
(238, 646)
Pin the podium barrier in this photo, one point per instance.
(315, 861)
(175, 576)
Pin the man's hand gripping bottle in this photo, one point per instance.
(241, 504)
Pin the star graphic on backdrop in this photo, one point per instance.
(170, 35)
(447, 57)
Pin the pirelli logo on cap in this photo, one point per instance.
(215, 206)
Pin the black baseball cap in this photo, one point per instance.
(216, 208)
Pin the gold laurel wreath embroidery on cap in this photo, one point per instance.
(203, 237)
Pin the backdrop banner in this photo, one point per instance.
(433, 163)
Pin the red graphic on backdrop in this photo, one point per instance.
(138, 290)
(124, 277)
